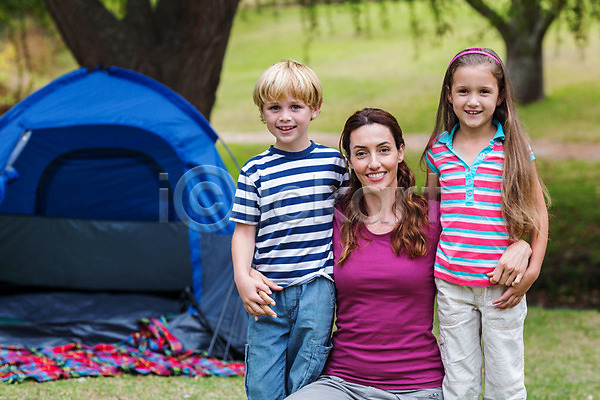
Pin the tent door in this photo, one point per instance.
(100, 183)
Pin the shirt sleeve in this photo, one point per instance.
(430, 161)
(344, 177)
(245, 204)
(531, 155)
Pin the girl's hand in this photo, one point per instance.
(512, 265)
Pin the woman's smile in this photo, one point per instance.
(374, 156)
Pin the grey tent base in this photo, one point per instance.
(40, 319)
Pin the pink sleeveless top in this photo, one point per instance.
(385, 314)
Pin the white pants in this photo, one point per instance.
(469, 323)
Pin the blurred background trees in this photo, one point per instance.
(182, 43)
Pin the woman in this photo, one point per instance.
(384, 248)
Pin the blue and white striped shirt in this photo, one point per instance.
(289, 196)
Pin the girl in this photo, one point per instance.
(490, 197)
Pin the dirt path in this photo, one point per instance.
(542, 148)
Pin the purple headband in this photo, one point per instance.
(475, 50)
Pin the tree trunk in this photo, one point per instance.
(180, 43)
(523, 27)
(524, 62)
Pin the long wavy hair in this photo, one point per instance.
(519, 179)
(409, 234)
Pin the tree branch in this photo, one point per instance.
(550, 16)
(491, 15)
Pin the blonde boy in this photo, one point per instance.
(283, 210)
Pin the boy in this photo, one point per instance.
(283, 210)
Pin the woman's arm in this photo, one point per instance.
(432, 186)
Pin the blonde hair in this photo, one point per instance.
(410, 233)
(288, 78)
(519, 180)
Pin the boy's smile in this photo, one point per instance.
(288, 119)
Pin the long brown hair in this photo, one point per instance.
(519, 180)
(409, 233)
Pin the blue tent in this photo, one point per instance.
(111, 188)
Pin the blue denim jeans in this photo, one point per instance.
(288, 352)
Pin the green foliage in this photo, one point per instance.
(385, 70)
(13, 12)
(117, 7)
(570, 273)
(576, 13)
(16, 19)
(522, 24)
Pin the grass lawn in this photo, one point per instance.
(562, 355)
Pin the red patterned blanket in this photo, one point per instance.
(151, 350)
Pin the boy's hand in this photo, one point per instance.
(249, 290)
(512, 265)
(254, 290)
(265, 308)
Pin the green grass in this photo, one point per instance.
(562, 354)
(562, 357)
(128, 387)
(388, 69)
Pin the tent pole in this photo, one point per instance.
(232, 328)
(220, 321)
(230, 154)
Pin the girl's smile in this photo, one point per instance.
(474, 96)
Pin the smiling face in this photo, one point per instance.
(287, 119)
(374, 156)
(474, 96)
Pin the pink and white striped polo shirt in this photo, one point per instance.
(474, 233)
